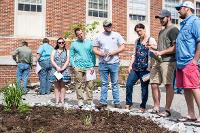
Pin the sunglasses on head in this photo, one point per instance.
(61, 42)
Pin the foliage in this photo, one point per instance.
(87, 120)
(98, 83)
(87, 28)
(13, 99)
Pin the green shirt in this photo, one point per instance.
(23, 54)
(81, 54)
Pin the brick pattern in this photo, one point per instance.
(155, 8)
(62, 14)
(6, 17)
(119, 16)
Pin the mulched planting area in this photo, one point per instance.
(57, 120)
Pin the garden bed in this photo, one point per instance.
(57, 120)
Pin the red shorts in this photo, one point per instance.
(188, 77)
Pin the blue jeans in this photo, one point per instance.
(23, 70)
(44, 75)
(105, 70)
(132, 79)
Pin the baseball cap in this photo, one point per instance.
(188, 4)
(163, 13)
(107, 23)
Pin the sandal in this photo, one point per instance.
(153, 111)
(196, 123)
(141, 110)
(187, 119)
(166, 113)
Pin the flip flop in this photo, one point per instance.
(153, 111)
(187, 119)
(166, 113)
(196, 123)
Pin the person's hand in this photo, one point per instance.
(91, 71)
(195, 62)
(129, 69)
(58, 69)
(157, 53)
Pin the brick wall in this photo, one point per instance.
(119, 16)
(6, 17)
(155, 8)
(62, 14)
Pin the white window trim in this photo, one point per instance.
(100, 18)
(16, 11)
(146, 22)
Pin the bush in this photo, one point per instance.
(13, 99)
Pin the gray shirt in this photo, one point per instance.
(166, 39)
(23, 54)
(107, 43)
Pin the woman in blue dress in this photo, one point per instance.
(60, 73)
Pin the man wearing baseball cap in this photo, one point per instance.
(187, 58)
(107, 46)
(163, 70)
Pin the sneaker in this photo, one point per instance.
(128, 106)
(80, 104)
(118, 106)
(101, 106)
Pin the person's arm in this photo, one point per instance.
(53, 62)
(196, 33)
(67, 62)
(197, 54)
(114, 52)
(72, 55)
(14, 55)
(169, 50)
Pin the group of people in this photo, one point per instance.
(177, 51)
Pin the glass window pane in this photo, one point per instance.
(33, 8)
(27, 7)
(39, 8)
(101, 14)
(95, 13)
(90, 13)
(21, 7)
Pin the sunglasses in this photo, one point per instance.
(61, 42)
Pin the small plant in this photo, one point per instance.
(13, 99)
(89, 29)
(41, 130)
(87, 120)
(98, 83)
(24, 108)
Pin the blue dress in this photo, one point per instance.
(60, 59)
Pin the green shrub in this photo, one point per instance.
(13, 99)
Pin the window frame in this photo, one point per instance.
(91, 10)
(26, 6)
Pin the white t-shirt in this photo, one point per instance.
(108, 43)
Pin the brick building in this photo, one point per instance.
(32, 20)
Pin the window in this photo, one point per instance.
(137, 9)
(198, 9)
(170, 6)
(30, 5)
(98, 8)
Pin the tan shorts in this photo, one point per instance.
(162, 72)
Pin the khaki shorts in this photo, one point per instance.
(162, 73)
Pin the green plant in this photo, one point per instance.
(24, 108)
(13, 99)
(87, 120)
(98, 83)
(87, 28)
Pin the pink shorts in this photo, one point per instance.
(188, 77)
